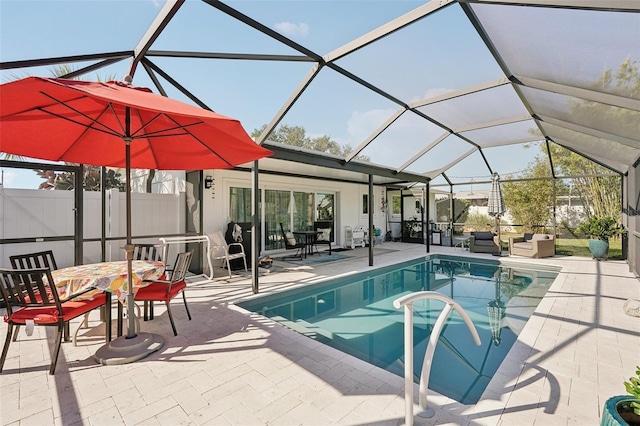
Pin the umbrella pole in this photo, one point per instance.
(128, 248)
(131, 347)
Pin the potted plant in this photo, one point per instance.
(599, 230)
(624, 409)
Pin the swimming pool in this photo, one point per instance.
(355, 314)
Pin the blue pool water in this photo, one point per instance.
(356, 315)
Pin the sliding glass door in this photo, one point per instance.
(277, 207)
(296, 210)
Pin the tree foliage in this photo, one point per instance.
(297, 136)
(600, 195)
(530, 202)
(479, 222)
(65, 180)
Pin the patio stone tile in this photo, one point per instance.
(151, 410)
(108, 417)
(214, 409)
(189, 399)
(231, 367)
(172, 417)
(303, 414)
(38, 419)
(277, 408)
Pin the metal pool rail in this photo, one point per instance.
(407, 301)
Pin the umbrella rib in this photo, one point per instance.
(104, 129)
(203, 144)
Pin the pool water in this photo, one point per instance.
(356, 315)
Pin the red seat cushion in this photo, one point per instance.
(50, 314)
(158, 291)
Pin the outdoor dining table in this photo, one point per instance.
(309, 239)
(108, 277)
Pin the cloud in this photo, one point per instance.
(431, 93)
(362, 124)
(290, 29)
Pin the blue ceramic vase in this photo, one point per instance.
(599, 248)
(610, 415)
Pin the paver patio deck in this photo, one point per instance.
(228, 366)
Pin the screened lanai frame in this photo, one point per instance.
(544, 56)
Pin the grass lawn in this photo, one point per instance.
(576, 247)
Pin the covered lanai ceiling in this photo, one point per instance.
(448, 91)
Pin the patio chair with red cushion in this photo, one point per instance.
(31, 299)
(166, 290)
(157, 252)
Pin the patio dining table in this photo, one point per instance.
(309, 240)
(108, 277)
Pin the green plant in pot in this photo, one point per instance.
(624, 409)
(599, 230)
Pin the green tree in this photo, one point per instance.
(599, 195)
(479, 222)
(65, 181)
(297, 136)
(530, 202)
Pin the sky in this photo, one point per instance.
(432, 57)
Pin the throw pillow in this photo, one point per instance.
(291, 239)
(528, 236)
(325, 236)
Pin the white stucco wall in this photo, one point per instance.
(348, 208)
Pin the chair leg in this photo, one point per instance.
(16, 332)
(5, 349)
(229, 268)
(56, 350)
(245, 264)
(175, 333)
(184, 297)
(85, 323)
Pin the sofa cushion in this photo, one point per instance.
(325, 234)
(484, 243)
(528, 236)
(525, 246)
(484, 235)
(540, 237)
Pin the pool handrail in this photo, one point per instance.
(407, 301)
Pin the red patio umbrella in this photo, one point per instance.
(118, 125)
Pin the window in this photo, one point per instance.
(365, 203)
(240, 205)
(395, 205)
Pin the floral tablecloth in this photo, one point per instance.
(105, 276)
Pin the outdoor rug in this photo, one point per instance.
(314, 259)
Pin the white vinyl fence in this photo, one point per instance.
(32, 213)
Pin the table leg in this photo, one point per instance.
(107, 316)
(120, 315)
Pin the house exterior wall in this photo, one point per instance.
(348, 199)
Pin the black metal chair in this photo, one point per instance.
(325, 235)
(166, 290)
(290, 243)
(41, 259)
(157, 252)
(31, 298)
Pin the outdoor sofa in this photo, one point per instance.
(484, 242)
(533, 245)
